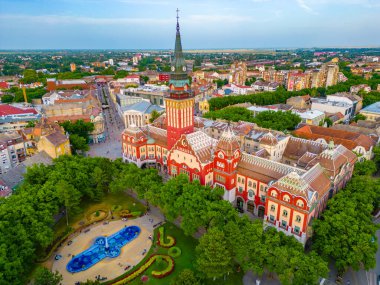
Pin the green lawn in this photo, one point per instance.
(121, 200)
(187, 245)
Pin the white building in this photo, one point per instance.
(238, 89)
(327, 106)
(265, 86)
(12, 150)
(311, 117)
(139, 114)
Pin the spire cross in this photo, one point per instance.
(177, 20)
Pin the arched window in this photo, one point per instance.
(286, 198)
(298, 218)
(274, 194)
(300, 204)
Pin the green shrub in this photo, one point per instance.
(161, 239)
(174, 251)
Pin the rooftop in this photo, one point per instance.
(373, 108)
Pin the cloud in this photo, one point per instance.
(306, 7)
(218, 18)
(59, 19)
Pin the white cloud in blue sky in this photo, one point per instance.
(150, 24)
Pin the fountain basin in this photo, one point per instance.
(103, 247)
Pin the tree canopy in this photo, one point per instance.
(268, 119)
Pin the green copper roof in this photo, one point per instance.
(179, 73)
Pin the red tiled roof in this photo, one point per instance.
(4, 85)
(6, 110)
(348, 139)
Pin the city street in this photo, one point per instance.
(114, 126)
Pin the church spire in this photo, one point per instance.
(178, 68)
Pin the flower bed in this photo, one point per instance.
(158, 274)
(169, 269)
(174, 251)
(161, 239)
(97, 215)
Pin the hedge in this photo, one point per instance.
(161, 239)
(168, 270)
(174, 251)
(158, 274)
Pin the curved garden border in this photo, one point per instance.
(174, 251)
(157, 274)
(161, 239)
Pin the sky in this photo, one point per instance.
(150, 24)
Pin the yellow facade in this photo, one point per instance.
(52, 150)
(204, 106)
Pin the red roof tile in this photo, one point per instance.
(6, 110)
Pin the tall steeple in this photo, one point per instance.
(179, 82)
(179, 101)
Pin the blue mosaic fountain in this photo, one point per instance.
(103, 247)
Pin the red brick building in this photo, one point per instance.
(290, 174)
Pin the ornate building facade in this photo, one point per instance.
(285, 180)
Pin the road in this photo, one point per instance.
(114, 126)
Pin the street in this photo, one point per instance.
(114, 126)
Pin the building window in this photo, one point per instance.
(298, 218)
(274, 194)
(220, 178)
(251, 193)
(183, 171)
(286, 198)
(262, 198)
(297, 230)
(239, 179)
(174, 170)
(240, 189)
(283, 224)
(273, 208)
(195, 177)
(285, 213)
(271, 218)
(250, 183)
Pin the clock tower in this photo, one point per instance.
(179, 102)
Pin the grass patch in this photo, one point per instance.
(186, 260)
(122, 200)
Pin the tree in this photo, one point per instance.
(154, 115)
(7, 98)
(367, 167)
(69, 196)
(44, 276)
(346, 232)
(277, 120)
(80, 128)
(186, 277)
(213, 257)
(359, 117)
(78, 143)
(121, 74)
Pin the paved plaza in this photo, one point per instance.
(131, 254)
